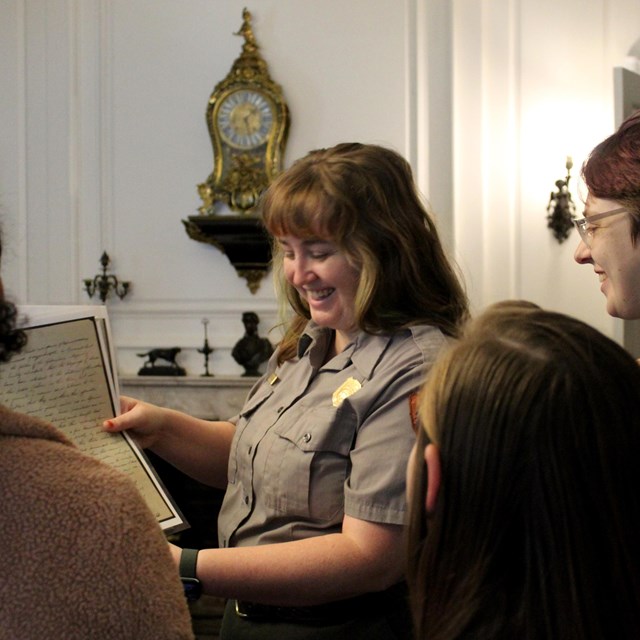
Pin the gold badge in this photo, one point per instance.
(273, 378)
(347, 388)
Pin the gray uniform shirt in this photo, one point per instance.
(317, 441)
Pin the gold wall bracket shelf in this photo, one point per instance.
(242, 238)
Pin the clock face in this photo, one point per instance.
(245, 119)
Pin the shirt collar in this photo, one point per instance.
(367, 352)
(364, 352)
(314, 343)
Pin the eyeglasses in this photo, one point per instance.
(586, 232)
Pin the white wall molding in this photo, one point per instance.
(102, 118)
(13, 138)
(434, 105)
(94, 151)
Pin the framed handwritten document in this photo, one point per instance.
(66, 375)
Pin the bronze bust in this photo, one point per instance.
(251, 350)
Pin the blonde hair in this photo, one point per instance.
(534, 533)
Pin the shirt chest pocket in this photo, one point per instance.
(307, 463)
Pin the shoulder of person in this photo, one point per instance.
(426, 341)
(405, 350)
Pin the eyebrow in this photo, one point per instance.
(308, 242)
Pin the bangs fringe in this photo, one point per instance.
(291, 213)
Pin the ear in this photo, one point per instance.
(432, 458)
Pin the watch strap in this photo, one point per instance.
(188, 560)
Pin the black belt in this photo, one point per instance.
(329, 613)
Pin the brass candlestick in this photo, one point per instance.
(206, 349)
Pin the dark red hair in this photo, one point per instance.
(612, 170)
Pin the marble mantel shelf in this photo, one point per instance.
(213, 398)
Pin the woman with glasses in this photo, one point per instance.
(525, 513)
(611, 224)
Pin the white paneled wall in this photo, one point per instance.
(533, 83)
(104, 140)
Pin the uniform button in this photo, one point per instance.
(306, 437)
(250, 450)
(280, 409)
(246, 499)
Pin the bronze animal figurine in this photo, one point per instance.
(160, 354)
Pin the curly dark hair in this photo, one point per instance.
(12, 340)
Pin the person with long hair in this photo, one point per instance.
(83, 556)
(611, 224)
(311, 527)
(525, 513)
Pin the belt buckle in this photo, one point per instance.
(239, 613)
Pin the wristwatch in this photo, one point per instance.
(192, 586)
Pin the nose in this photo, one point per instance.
(582, 254)
(298, 271)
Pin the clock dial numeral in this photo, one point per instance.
(245, 119)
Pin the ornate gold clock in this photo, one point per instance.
(245, 119)
(248, 122)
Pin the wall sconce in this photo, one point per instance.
(103, 283)
(561, 208)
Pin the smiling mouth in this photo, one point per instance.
(318, 295)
